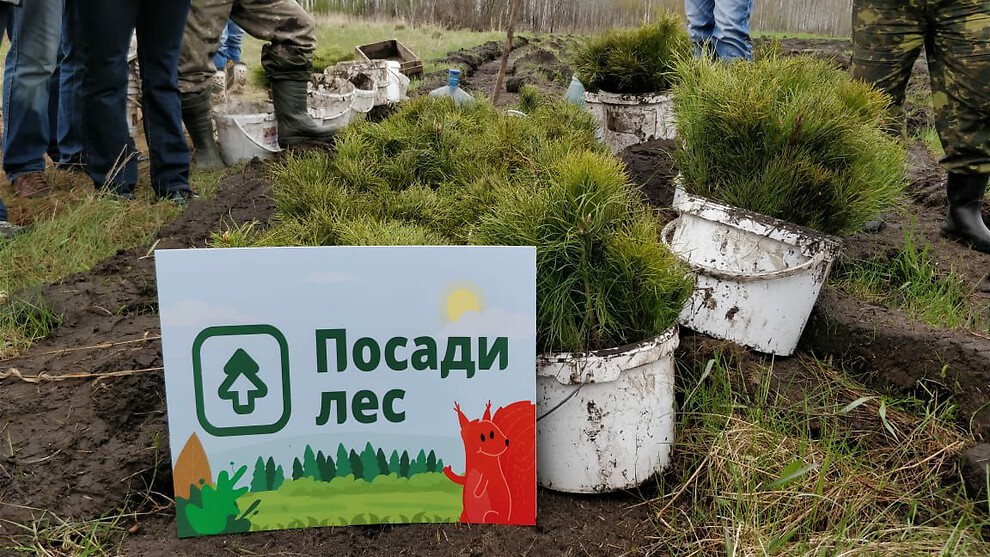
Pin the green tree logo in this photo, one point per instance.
(242, 385)
(241, 389)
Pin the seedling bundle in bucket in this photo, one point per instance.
(438, 173)
(627, 75)
(777, 158)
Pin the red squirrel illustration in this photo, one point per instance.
(499, 480)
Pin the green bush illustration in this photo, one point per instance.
(213, 509)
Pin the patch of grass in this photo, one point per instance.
(51, 535)
(833, 469)
(911, 280)
(793, 138)
(242, 236)
(24, 320)
(72, 230)
(633, 61)
(77, 238)
(69, 242)
(929, 136)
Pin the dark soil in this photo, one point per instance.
(81, 448)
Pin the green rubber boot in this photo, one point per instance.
(197, 115)
(964, 221)
(295, 125)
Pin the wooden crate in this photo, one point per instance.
(393, 50)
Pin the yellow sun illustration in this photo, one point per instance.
(461, 298)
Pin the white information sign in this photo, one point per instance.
(349, 385)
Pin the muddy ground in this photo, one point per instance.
(81, 448)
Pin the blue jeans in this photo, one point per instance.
(36, 28)
(65, 99)
(720, 27)
(110, 153)
(230, 45)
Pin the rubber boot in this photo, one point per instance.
(964, 221)
(197, 115)
(295, 125)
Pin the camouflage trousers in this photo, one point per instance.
(888, 36)
(289, 30)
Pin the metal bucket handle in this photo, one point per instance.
(740, 276)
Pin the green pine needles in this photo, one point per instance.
(603, 279)
(634, 61)
(792, 138)
(435, 173)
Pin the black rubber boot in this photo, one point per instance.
(295, 125)
(964, 221)
(197, 115)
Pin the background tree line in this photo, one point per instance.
(366, 465)
(830, 17)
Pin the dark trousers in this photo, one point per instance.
(4, 12)
(65, 100)
(111, 156)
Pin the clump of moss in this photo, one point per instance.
(792, 138)
(634, 61)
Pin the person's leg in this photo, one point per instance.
(200, 42)
(30, 63)
(888, 36)
(960, 71)
(701, 24)
(160, 27)
(236, 71)
(71, 71)
(959, 63)
(731, 36)
(235, 36)
(206, 21)
(287, 59)
(106, 27)
(53, 90)
(221, 57)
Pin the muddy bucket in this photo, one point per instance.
(331, 103)
(243, 137)
(758, 277)
(626, 120)
(605, 420)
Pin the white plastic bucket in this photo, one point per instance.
(398, 83)
(626, 120)
(243, 137)
(364, 101)
(332, 105)
(375, 70)
(758, 277)
(605, 420)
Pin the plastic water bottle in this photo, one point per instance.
(453, 89)
(575, 92)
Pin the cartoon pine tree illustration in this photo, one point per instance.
(242, 385)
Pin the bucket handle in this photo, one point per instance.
(738, 276)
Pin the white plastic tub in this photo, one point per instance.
(243, 137)
(331, 104)
(626, 120)
(758, 277)
(605, 420)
